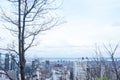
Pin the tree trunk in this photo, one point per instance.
(22, 67)
(21, 52)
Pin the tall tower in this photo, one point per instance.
(47, 66)
(0, 60)
(6, 62)
(12, 63)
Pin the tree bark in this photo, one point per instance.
(21, 55)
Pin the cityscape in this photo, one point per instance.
(60, 68)
(60, 40)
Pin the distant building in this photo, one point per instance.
(79, 68)
(71, 74)
(3, 78)
(56, 75)
(0, 59)
(12, 74)
(6, 62)
(13, 63)
(47, 66)
(35, 64)
(2, 75)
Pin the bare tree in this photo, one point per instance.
(109, 67)
(115, 67)
(29, 19)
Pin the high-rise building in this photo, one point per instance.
(6, 62)
(80, 70)
(12, 74)
(71, 74)
(47, 66)
(0, 60)
(35, 64)
(12, 62)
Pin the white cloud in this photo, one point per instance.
(89, 22)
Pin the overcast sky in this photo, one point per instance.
(89, 22)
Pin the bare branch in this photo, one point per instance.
(31, 43)
(11, 30)
(14, 60)
(13, 1)
(5, 73)
(115, 49)
(11, 50)
(8, 19)
(108, 51)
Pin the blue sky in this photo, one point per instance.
(89, 22)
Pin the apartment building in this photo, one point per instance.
(79, 70)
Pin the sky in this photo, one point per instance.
(88, 22)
